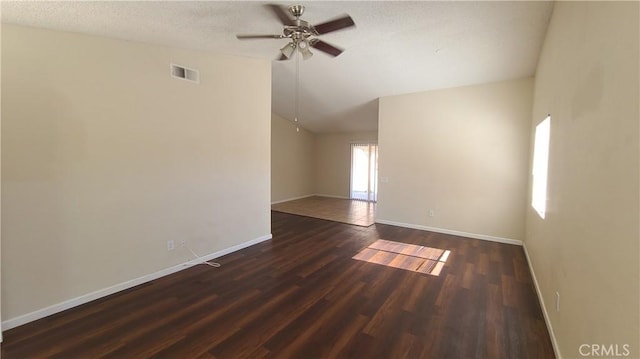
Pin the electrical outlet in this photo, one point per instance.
(557, 301)
(432, 213)
(171, 245)
(182, 243)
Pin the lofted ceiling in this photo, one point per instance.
(396, 47)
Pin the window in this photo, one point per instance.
(540, 166)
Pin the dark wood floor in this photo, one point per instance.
(301, 295)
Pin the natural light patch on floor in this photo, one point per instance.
(405, 256)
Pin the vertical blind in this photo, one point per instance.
(364, 171)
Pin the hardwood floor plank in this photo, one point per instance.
(302, 295)
(496, 347)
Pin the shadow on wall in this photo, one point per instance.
(361, 118)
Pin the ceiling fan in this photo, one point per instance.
(301, 33)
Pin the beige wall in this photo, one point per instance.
(105, 158)
(586, 248)
(292, 160)
(333, 161)
(307, 163)
(461, 152)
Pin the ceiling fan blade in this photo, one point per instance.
(245, 37)
(282, 58)
(325, 47)
(282, 14)
(334, 25)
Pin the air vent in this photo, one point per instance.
(184, 73)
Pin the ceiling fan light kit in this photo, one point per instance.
(288, 49)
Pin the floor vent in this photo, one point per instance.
(185, 73)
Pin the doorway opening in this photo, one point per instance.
(364, 172)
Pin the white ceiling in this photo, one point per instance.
(396, 47)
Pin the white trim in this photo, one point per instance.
(293, 198)
(56, 308)
(554, 343)
(449, 231)
(313, 195)
(330, 196)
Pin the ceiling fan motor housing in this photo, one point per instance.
(300, 31)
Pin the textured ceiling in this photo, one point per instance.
(396, 47)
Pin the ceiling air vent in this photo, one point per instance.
(185, 73)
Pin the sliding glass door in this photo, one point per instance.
(364, 171)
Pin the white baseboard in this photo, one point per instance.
(554, 343)
(330, 196)
(293, 198)
(56, 308)
(452, 232)
(310, 195)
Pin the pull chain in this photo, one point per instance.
(297, 88)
